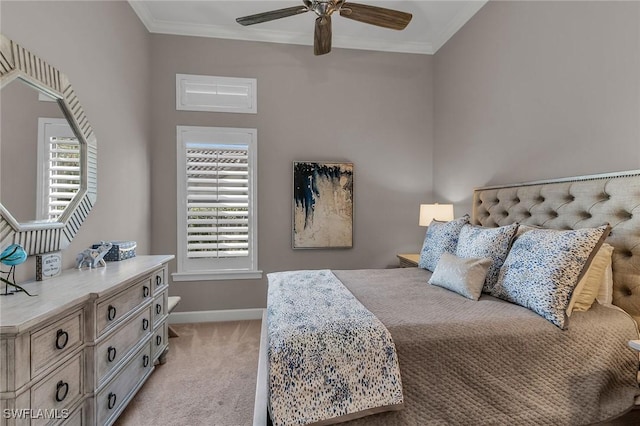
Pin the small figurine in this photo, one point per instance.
(12, 256)
(93, 257)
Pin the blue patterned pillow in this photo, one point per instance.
(440, 237)
(543, 268)
(492, 243)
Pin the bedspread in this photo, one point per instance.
(490, 362)
(330, 359)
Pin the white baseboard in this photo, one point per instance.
(215, 316)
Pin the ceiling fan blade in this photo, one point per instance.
(322, 35)
(271, 15)
(387, 18)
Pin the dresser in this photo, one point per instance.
(77, 353)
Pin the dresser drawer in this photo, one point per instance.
(55, 341)
(159, 341)
(117, 346)
(119, 391)
(77, 417)
(159, 307)
(60, 390)
(159, 280)
(112, 310)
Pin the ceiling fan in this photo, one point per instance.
(382, 17)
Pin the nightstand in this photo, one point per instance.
(408, 260)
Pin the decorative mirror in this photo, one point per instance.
(48, 154)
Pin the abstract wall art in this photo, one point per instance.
(322, 204)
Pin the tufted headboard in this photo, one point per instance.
(572, 203)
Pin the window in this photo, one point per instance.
(217, 235)
(59, 167)
(219, 94)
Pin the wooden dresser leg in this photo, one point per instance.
(163, 358)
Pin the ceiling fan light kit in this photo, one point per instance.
(373, 15)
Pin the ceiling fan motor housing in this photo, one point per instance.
(324, 7)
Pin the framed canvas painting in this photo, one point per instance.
(322, 205)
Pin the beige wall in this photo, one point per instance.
(526, 90)
(371, 108)
(535, 90)
(104, 50)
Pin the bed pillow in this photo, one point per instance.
(492, 243)
(605, 295)
(441, 237)
(465, 276)
(543, 268)
(593, 280)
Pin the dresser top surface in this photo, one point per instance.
(73, 287)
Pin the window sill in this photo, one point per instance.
(217, 275)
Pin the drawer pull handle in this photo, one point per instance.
(145, 361)
(158, 340)
(65, 339)
(158, 280)
(111, 353)
(111, 402)
(145, 324)
(111, 312)
(145, 291)
(158, 308)
(59, 386)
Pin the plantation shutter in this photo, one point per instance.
(62, 174)
(218, 201)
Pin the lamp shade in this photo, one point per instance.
(429, 212)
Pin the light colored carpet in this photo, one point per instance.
(209, 378)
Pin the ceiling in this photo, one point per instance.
(433, 23)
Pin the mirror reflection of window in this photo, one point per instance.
(59, 167)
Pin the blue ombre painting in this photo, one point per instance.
(322, 205)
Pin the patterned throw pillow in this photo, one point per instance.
(465, 276)
(441, 237)
(493, 243)
(543, 268)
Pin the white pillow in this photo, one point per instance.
(605, 294)
(465, 276)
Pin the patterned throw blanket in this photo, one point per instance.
(330, 359)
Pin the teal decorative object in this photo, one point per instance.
(12, 256)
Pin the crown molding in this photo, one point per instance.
(261, 35)
(456, 23)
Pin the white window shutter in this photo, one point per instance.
(216, 94)
(63, 174)
(217, 201)
(217, 223)
(59, 175)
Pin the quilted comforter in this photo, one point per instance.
(490, 362)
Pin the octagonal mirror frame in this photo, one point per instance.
(38, 237)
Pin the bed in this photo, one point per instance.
(485, 361)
